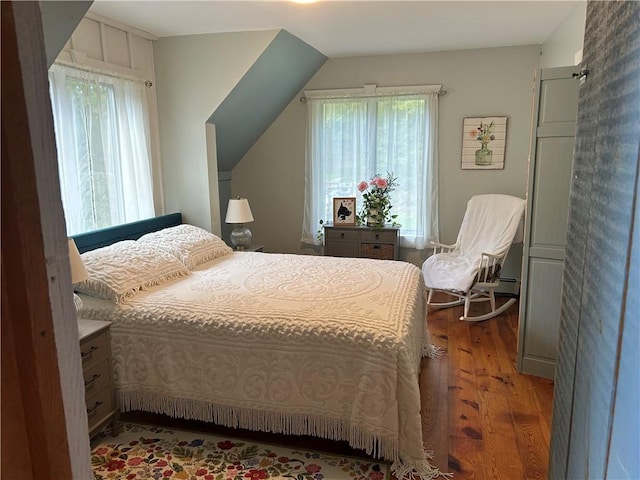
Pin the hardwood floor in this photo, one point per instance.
(482, 418)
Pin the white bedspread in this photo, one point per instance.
(297, 344)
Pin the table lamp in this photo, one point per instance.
(239, 213)
(78, 271)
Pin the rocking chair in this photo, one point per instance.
(470, 268)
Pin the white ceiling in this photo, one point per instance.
(356, 27)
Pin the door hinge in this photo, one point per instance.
(581, 75)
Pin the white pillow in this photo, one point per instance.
(190, 244)
(120, 270)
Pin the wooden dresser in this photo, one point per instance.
(97, 370)
(363, 242)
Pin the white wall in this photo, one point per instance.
(560, 48)
(497, 81)
(106, 45)
(194, 74)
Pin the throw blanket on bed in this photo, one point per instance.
(285, 343)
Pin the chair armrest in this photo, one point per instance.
(443, 247)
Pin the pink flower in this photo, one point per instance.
(101, 451)
(362, 186)
(167, 473)
(256, 474)
(201, 471)
(381, 182)
(131, 476)
(313, 468)
(134, 462)
(114, 465)
(376, 475)
(226, 445)
(161, 463)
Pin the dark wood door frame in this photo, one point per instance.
(38, 320)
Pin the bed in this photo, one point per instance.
(292, 344)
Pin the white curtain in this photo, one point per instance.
(352, 139)
(102, 136)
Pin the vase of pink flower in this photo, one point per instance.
(484, 156)
(376, 201)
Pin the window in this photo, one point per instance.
(102, 136)
(356, 134)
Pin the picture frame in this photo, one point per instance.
(344, 211)
(483, 143)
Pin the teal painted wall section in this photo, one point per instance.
(284, 67)
(59, 20)
(257, 100)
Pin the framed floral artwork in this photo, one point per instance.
(483, 143)
(344, 211)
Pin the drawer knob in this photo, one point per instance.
(91, 411)
(93, 379)
(377, 236)
(87, 354)
(342, 235)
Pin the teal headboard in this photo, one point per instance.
(127, 231)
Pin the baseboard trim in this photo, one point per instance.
(538, 367)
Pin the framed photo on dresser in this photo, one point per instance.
(344, 210)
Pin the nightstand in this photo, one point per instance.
(97, 370)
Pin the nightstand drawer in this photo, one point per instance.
(371, 236)
(343, 234)
(94, 349)
(99, 406)
(97, 372)
(96, 378)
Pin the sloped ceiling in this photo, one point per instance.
(276, 77)
(59, 20)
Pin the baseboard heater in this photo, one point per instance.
(507, 294)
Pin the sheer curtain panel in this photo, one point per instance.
(102, 136)
(353, 135)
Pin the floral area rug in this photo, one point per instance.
(144, 452)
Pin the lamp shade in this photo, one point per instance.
(78, 272)
(238, 211)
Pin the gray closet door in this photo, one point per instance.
(553, 131)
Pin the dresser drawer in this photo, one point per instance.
(346, 235)
(94, 349)
(380, 251)
(99, 406)
(342, 249)
(96, 377)
(372, 236)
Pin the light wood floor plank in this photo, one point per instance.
(499, 420)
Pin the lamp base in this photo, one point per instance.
(240, 237)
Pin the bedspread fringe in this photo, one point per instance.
(275, 422)
(422, 470)
(278, 422)
(432, 351)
